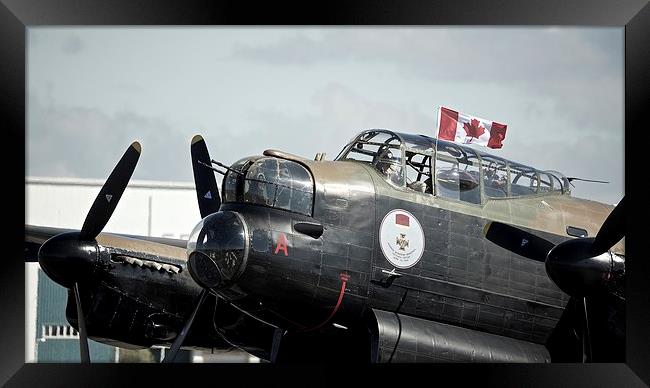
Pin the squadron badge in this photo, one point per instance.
(402, 241)
(401, 238)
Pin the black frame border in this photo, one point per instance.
(17, 16)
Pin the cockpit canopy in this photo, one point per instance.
(463, 173)
(272, 182)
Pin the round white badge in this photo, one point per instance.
(401, 238)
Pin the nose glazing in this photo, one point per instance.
(218, 250)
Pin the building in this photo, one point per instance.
(148, 208)
(56, 340)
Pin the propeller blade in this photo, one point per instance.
(586, 337)
(207, 191)
(612, 231)
(102, 209)
(180, 338)
(81, 322)
(518, 241)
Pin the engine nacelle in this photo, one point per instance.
(576, 271)
(401, 338)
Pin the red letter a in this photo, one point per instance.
(282, 245)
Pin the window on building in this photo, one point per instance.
(50, 331)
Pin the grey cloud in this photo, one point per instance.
(129, 88)
(469, 54)
(72, 45)
(87, 143)
(339, 114)
(298, 49)
(580, 69)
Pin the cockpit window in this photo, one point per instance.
(273, 182)
(457, 173)
(381, 150)
(495, 177)
(418, 172)
(231, 180)
(460, 172)
(560, 182)
(549, 182)
(523, 180)
(389, 163)
(557, 186)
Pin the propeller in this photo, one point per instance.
(580, 267)
(180, 338)
(612, 230)
(207, 192)
(81, 322)
(69, 257)
(102, 209)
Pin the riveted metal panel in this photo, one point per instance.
(399, 338)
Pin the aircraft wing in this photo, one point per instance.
(35, 236)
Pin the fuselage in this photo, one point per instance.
(295, 281)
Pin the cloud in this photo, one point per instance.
(72, 45)
(580, 70)
(336, 114)
(87, 143)
(499, 54)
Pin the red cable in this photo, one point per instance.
(344, 279)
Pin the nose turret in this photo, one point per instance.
(218, 250)
(66, 259)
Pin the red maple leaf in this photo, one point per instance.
(474, 128)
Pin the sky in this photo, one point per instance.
(92, 91)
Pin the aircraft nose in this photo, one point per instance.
(218, 250)
(66, 259)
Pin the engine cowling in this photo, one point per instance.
(575, 270)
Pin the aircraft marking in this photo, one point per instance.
(282, 245)
(401, 238)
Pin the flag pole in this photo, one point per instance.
(435, 154)
(438, 127)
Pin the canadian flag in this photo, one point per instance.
(466, 129)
